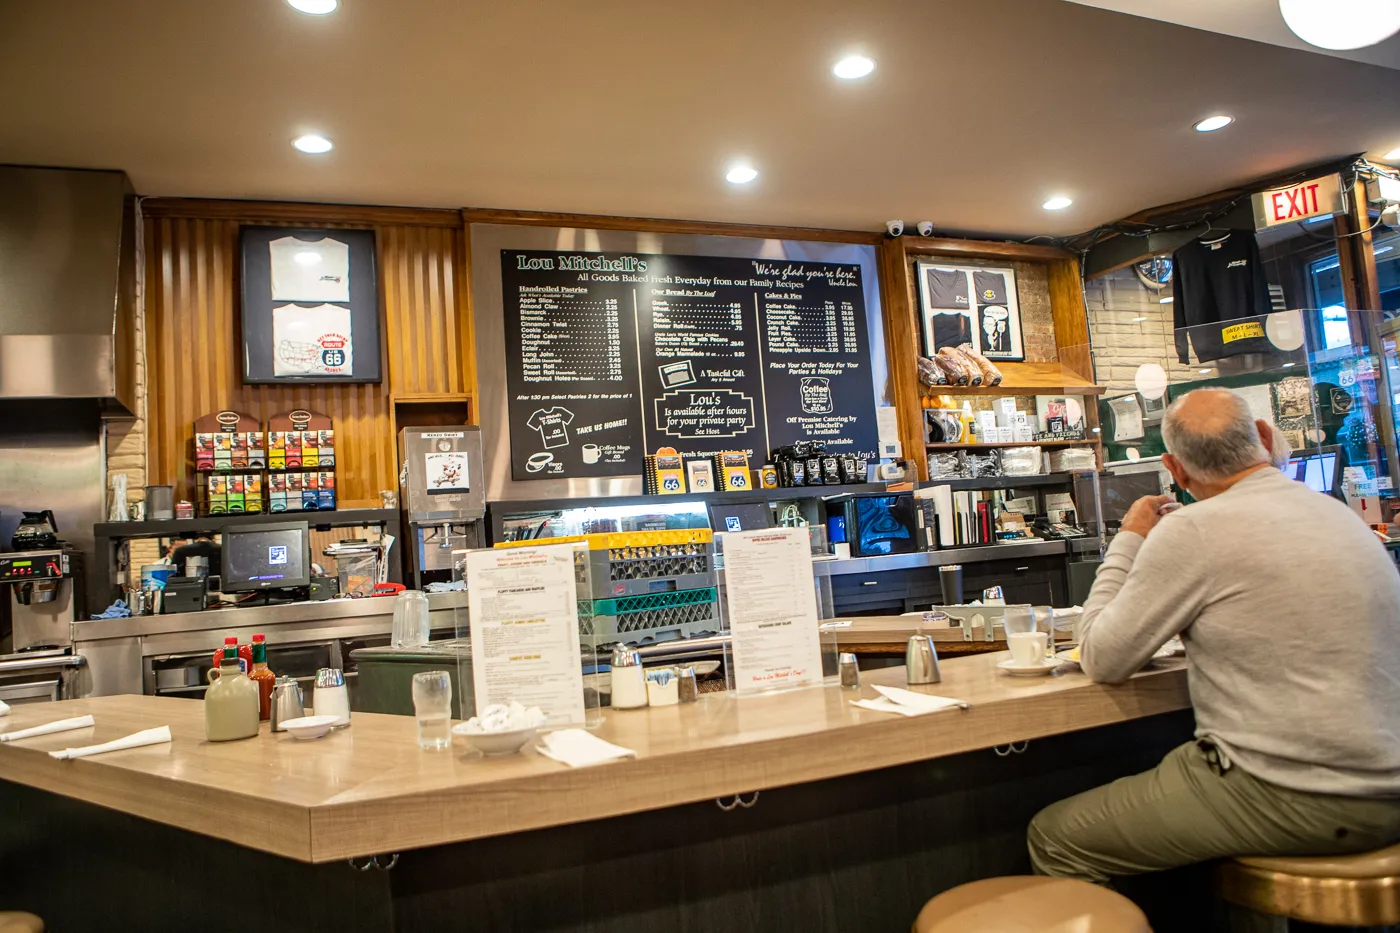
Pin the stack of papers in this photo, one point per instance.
(578, 749)
(907, 702)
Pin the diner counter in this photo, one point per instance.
(369, 789)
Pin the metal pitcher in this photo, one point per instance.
(287, 702)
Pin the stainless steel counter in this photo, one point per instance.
(963, 555)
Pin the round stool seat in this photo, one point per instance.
(1030, 904)
(17, 922)
(1335, 890)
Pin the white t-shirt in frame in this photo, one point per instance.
(310, 270)
(312, 341)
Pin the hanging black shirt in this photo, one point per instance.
(1220, 283)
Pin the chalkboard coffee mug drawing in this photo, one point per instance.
(590, 453)
(539, 461)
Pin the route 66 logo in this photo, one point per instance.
(331, 358)
(671, 483)
(736, 480)
(1346, 376)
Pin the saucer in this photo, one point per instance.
(1034, 670)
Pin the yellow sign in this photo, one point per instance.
(1241, 331)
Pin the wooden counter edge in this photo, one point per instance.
(253, 822)
(459, 814)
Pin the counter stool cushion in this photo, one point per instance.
(1030, 904)
(1337, 890)
(16, 922)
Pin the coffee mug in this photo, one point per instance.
(590, 453)
(1027, 648)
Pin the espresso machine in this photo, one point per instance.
(444, 498)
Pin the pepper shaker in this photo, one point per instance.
(850, 673)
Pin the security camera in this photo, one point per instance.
(925, 228)
(894, 227)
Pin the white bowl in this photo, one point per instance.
(495, 743)
(309, 727)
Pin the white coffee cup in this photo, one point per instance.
(590, 453)
(1028, 648)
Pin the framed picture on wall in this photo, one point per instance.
(310, 302)
(970, 304)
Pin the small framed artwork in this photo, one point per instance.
(970, 304)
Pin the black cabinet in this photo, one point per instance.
(1039, 581)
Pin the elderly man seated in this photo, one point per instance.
(1289, 609)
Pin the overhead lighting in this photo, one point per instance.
(1139, 320)
(1058, 203)
(1211, 124)
(314, 7)
(1341, 24)
(1392, 154)
(1165, 301)
(852, 67)
(308, 257)
(1203, 371)
(1287, 365)
(741, 174)
(313, 144)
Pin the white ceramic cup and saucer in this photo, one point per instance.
(1028, 655)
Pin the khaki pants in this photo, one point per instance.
(1189, 809)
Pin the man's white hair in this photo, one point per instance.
(1214, 451)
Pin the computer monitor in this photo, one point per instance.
(1320, 469)
(264, 557)
(740, 516)
(1118, 491)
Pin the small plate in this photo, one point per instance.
(1035, 670)
(491, 744)
(309, 727)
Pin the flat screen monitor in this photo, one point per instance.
(264, 557)
(1320, 469)
(1118, 490)
(740, 516)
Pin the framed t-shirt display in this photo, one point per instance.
(310, 304)
(970, 305)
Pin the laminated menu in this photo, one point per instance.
(772, 609)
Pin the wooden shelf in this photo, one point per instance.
(1026, 379)
(1078, 443)
(1004, 482)
(431, 398)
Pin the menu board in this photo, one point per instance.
(612, 355)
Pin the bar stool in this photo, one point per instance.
(1030, 904)
(18, 922)
(1344, 890)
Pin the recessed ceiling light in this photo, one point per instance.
(853, 66)
(741, 174)
(1165, 301)
(1211, 124)
(1341, 24)
(1392, 154)
(1202, 371)
(1058, 203)
(313, 144)
(314, 7)
(1286, 365)
(307, 257)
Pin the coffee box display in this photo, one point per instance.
(226, 441)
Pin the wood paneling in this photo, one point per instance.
(480, 215)
(193, 336)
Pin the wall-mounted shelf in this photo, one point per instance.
(1079, 443)
(1004, 482)
(1026, 379)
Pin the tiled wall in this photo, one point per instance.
(1129, 326)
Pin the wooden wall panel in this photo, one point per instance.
(193, 344)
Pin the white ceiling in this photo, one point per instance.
(1249, 19)
(978, 111)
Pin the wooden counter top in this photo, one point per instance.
(369, 789)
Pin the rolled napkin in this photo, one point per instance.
(61, 725)
(157, 736)
(578, 749)
(4, 708)
(907, 702)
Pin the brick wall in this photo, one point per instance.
(1129, 326)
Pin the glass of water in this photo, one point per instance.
(432, 705)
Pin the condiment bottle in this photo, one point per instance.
(263, 677)
(629, 681)
(245, 654)
(231, 702)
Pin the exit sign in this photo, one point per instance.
(1314, 198)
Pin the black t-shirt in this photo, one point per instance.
(990, 288)
(1220, 283)
(950, 330)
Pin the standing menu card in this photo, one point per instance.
(524, 630)
(772, 609)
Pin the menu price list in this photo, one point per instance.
(700, 353)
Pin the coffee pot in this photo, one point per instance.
(37, 531)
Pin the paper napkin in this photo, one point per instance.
(578, 749)
(157, 736)
(61, 725)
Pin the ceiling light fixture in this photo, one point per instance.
(313, 144)
(1211, 124)
(1392, 154)
(1287, 365)
(1341, 24)
(1165, 301)
(852, 67)
(1202, 371)
(314, 7)
(741, 174)
(1058, 203)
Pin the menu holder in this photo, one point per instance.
(300, 440)
(228, 442)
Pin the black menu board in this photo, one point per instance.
(612, 354)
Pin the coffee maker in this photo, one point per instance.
(444, 496)
(45, 595)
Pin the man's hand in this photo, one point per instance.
(1142, 517)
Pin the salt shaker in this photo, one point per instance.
(921, 661)
(629, 681)
(331, 697)
(689, 690)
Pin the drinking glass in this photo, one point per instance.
(432, 705)
(1018, 619)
